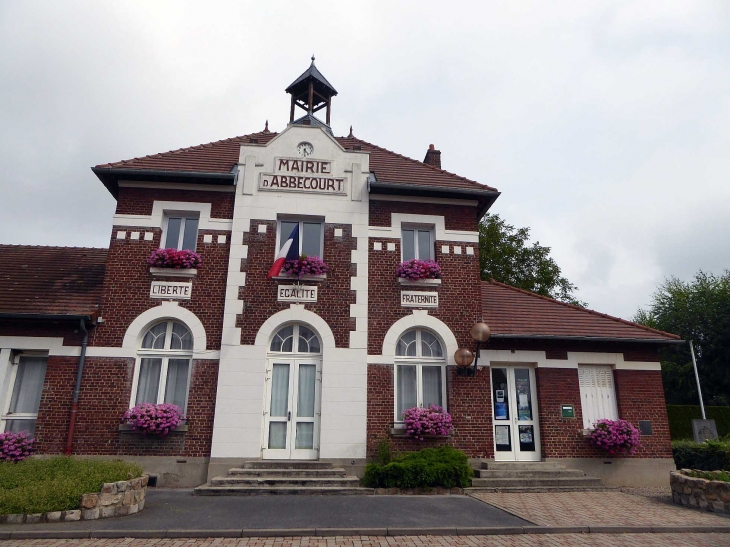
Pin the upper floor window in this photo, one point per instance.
(420, 371)
(162, 373)
(311, 236)
(181, 232)
(417, 243)
(26, 385)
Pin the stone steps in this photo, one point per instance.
(531, 477)
(257, 478)
(558, 473)
(540, 483)
(540, 489)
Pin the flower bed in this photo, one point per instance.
(174, 259)
(303, 266)
(615, 436)
(15, 447)
(415, 270)
(153, 419)
(709, 491)
(431, 421)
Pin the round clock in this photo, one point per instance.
(305, 149)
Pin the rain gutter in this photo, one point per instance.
(584, 338)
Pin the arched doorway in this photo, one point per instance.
(293, 394)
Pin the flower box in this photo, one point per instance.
(174, 259)
(418, 270)
(402, 432)
(304, 266)
(158, 420)
(418, 282)
(179, 430)
(313, 278)
(173, 272)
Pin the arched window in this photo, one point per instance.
(420, 371)
(162, 373)
(306, 340)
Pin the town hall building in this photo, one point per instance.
(317, 367)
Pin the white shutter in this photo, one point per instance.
(597, 394)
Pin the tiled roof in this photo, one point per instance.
(51, 280)
(511, 311)
(221, 156)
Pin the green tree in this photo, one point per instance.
(506, 255)
(697, 310)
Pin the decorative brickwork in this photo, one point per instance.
(139, 201)
(456, 217)
(334, 295)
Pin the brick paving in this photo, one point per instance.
(557, 540)
(598, 509)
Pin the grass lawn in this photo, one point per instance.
(55, 484)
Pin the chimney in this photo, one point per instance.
(433, 157)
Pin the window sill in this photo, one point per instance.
(400, 432)
(314, 278)
(179, 430)
(419, 282)
(174, 272)
(587, 432)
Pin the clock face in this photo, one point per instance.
(305, 149)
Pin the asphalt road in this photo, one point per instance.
(180, 510)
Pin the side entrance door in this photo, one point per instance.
(292, 411)
(514, 414)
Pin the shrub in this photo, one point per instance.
(723, 476)
(433, 420)
(305, 265)
(151, 419)
(416, 269)
(681, 416)
(172, 258)
(616, 436)
(707, 456)
(428, 468)
(385, 452)
(55, 484)
(15, 447)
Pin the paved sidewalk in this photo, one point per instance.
(572, 540)
(599, 508)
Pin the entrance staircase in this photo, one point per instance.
(532, 477)
(283, 477)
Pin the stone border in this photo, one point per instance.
(115, 499)
(356, 532)
(705, 494)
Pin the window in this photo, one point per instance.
(417, 243)
(181, 232)
(26, 381)
(307, 340)
(310, 236)
(597, 394)
(420, 372)
(162, 373)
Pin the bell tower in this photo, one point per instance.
(311, 92)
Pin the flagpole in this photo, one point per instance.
(697, 377)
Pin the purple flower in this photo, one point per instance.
(433, 420)
(149, 418)
(616, 436)
(416, 269)
(15, 447)
(172, 258)
(305, 265)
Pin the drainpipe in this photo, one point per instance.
(77, 389)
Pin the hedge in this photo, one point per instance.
(707, 456)
(681, 416)
(428, 468)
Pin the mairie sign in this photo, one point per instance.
(305, 176)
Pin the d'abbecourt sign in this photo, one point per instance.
(306, 176)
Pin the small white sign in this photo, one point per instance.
(297, 293)
(419, 299)
(171, 290)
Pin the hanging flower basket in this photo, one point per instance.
(174, 259)
(152, 419)
(304, 266)
(615, 436)
(433, 421)
(15, 447)
(416, 270)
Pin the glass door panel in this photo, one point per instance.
(514, 414)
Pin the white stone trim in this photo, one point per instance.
(159, 208)
(295, 313)
(442, 234)
(419, 318)
(53, 345)
(418, 199)
(166, 310)
(489, 357)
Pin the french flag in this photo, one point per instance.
(288, 251)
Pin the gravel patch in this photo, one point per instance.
(661, 493)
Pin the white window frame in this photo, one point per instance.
(295, 342)
(301, 221)
(603, 402)
(419, 362)
(184, 216)
(13, 373)
(422, 228)
(165, 354)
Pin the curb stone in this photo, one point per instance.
(266, 533)
(204, 533)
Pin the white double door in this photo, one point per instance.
(292, 409)
(514, 413)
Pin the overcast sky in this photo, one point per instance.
(605, 125)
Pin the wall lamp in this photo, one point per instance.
(480, 332)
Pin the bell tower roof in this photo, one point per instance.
(311, 92)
